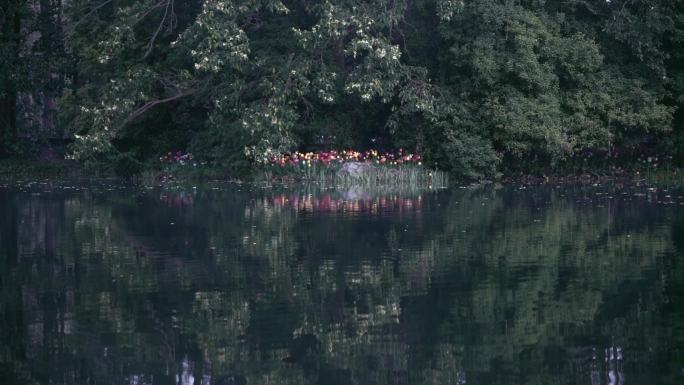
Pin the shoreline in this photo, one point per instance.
(31, 169)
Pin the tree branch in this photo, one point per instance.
(150, 44)
(72, 28)
(144, 14)
(145, 107)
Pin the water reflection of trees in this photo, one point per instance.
(475, 286)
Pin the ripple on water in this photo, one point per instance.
(109, 283)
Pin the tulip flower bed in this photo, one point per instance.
(333, 157)
(327, 168)
(349, 167)
(177, 159)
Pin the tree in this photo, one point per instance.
(260, 69)
(675, 68)
(477, 86)
(10, 40)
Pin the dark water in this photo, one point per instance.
(232, 285)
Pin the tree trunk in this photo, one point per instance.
(8, 102)
(8, 123)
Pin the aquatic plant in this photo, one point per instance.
(351, 167)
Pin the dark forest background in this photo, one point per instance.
(479, 87)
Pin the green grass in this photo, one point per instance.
(19, 169)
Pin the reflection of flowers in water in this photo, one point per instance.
(178, 198)
(350, 202)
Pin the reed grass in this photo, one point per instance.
(661, 176)
(367, 175)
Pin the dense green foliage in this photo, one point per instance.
(477, 86)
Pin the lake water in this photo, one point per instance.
(228, 284)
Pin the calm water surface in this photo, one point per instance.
(105, 284)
